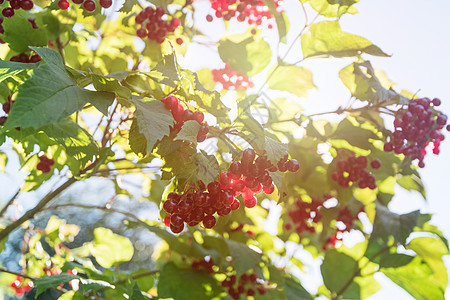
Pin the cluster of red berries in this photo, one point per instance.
(416, 126)
(252, 11)
(305, 214)
(154, 26)
(20, 286)
(45, 164)
(204, 264)
(354, 170)
(230, 79)
(246, 177)
(88, 5)
(247, 285)
(26, 58)
(346, 220)
(8, 12)
(182, 115)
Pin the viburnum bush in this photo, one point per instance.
(143, 175)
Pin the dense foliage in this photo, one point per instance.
(93, 90)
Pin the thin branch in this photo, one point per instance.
(4, 270)
(11, 201)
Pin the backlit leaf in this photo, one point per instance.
(326, 39)
(293, 79)
(109, 248)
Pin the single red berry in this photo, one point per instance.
(248, 155)
(250, 202)
(105, 3)
(436, 102)
(167, 220)
(63, 4)
(175, 22)
(26, 4)
(388, 147)
(8, 12)
(6, 107)
(209, 221)
(269, 189)
(375, 164)
(180, 41)
(209, 18)
(199, 116)
(292, 165)
(176, 229)
(15, 4)
(89, 6)
(78, 1)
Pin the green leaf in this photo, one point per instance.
(182, 284)
(274, 150)
(362, 81)
(71, 295)
(245, 53)
(388, 223)
(109, 248)
(244, 258)
(416, 278)
(49, 96)
(280, 18)
(136, 293)
(127, 6)
(11, 68)
(44, 283)
(20, 34)
(333, 9)
(395, 260)
(294, 290)
(207, 168)
(77, 141)
(154, 120)
(189, 131)
(412, 183)
(354, 134)
(326, 39)
(292, 79)
(137, 140)
(108, 84)
(361, 288)
(333, 262)
(169, 68)
(432, 250)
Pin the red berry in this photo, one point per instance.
(179, 41)
(89, 6)
(176, 229)
(26, 4)
(436, 102)
(105, 3)
(209, 18)
(269, 189)
(292, 165)
(375, 164)
(198, 115)
(209, 221)
(15, 4)
(6, 107)
(248, 155)
(78, 1)
(250, 202)
(8, 12)
(63, 4)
